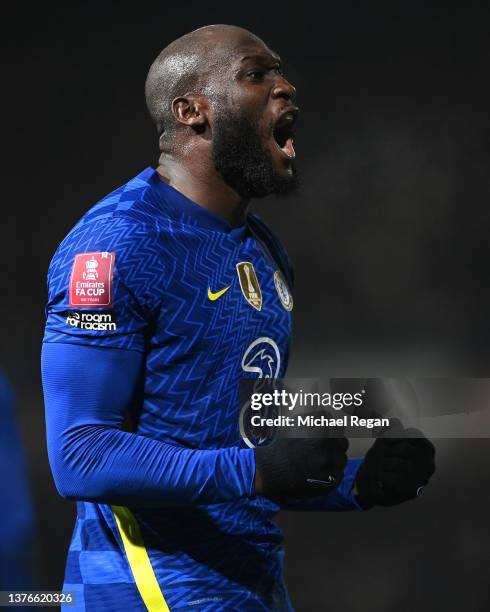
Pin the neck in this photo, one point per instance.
(202, 184)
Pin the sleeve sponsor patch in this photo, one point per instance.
(100, 320)
(91, 279)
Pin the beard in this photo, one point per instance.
(243, 162)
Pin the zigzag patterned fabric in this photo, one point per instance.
(207, 305)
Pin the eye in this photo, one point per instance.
(256, 75)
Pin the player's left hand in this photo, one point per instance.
(395, 469)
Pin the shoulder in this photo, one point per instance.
(129, 245)
(128, 238)
(129, 220)
(133, 201)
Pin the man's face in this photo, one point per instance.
(253, 117)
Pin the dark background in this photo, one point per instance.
(389, 238)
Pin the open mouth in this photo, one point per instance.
(283, 133)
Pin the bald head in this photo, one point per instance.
(191, 65)
(225, 114)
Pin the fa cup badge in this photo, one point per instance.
(90, 272)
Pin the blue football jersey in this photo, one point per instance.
(207, 304)
(148, 270)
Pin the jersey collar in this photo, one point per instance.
(184, 209)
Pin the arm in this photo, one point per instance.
(87, 392)
(17, 523)
(342, 498)
(91, 375)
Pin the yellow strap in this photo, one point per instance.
(139, 561)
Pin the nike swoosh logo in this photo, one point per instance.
(324, 483)
(214, 296)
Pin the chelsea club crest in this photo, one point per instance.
(283, 291)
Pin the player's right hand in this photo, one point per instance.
(299, 468)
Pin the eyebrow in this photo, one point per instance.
(262, 56)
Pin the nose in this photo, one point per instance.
(283, 89)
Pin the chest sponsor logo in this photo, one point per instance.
(283, 292)
(91, 321)
(249, 284)
(91, 279)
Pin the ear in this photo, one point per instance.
(191, 111)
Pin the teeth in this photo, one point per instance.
(282, 133)
(288, 148)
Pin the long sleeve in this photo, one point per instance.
(342, 498)
(88, 391)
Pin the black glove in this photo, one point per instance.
(395, 469)
(299, 468)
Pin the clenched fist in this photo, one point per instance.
(298, 468)
(395, 469)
